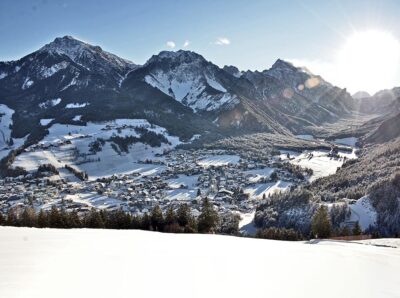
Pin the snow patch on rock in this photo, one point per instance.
(49, 103)
(76, 105)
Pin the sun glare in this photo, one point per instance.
(369, 61)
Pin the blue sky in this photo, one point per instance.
(253, 33)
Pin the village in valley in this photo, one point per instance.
(233, 184)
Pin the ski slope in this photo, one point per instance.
(109, 263)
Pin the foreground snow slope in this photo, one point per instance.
(106, 263)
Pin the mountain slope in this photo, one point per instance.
(189, 79)
(298, 98)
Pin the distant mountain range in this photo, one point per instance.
(68, 79)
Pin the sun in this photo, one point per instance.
(369, 61)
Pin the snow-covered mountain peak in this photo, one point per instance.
(79, 52)
(282, 64)
(180, 56)
(233, 70)
(190, 79)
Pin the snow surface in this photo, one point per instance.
(246, 223)
(49, 103)
(3, 75)
(320, 163)
(47, 72)
(256, 175)
(73, 82)
(5, 122)
(363, 212)
(183, 180)
(110, 263)
(5, 132)
(258, 190)
(27, 83)
(218, 160)
(45, 122)
(190, 88)
(76, 105)
(77, 118)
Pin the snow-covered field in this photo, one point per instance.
(258, 190)
(70, 144)
(218, 160)
(183, 181)
(105, 263)
(321, 164)
(258, 174)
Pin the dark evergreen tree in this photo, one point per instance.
(12, 219)
(145, 222)
(183, 215)
(321, 224)
(28, 218)
(170, 216)
(357, 229)
(157, 219)
(345, 231)
(94, 220)
(136, 222)
(73, 220)
(42, 219)
(208, 219)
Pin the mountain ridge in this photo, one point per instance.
(283, 99)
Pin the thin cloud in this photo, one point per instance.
(171, 44)
(222, 41)
(186, 43)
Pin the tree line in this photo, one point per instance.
(180, 220)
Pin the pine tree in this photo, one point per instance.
(145, 222)
(208, 219)
(170, 216)
(321, 224)
(357, 229)
(136, 222)
(94, 220)
(183, 215)
(43, 220)
(2, 219)
(73, 220)
(28, 218)
(12, 219)
(157, 219)
(345, 231)
(191, 226)
(55, 220)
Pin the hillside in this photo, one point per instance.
(99, 263)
